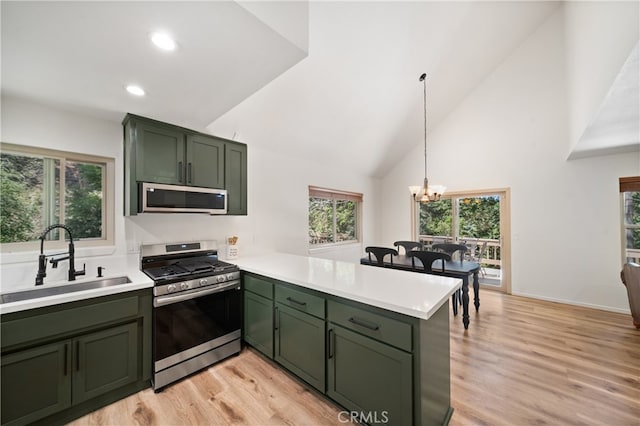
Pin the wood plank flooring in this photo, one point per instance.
(521, 362)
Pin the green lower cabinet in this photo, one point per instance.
(381, 366)
(369, 377)
(300, 344)
(105, 361)
(258, 322)
(44, 380)
(61, 362)
(35, 383)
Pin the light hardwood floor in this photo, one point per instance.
(521, 362)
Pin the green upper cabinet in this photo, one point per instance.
(235, 176)
(158, 152)
(205, 162)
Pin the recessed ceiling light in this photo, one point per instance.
(135, 90)
(163, 41)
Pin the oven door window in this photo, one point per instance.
(186, 324)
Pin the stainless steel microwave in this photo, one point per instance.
(161, 198)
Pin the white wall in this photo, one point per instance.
(514, 131)
(277, 188)
(595, 31)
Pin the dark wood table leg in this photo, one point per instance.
(476, 291)
(465, 302)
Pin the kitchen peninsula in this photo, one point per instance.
(375, 340)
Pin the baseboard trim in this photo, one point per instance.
(574, 303)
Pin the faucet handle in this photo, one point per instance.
(84, 270)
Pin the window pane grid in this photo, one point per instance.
(629, 188)
(333, 219)
(36, 193)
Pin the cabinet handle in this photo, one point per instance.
(276, 320)
(66, 356)
(331, 343)
(365, 324)
(77, 356)
(297, 302)
(180, 171)
(189, 172)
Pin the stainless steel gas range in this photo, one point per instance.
(197, 310)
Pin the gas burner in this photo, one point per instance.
(185, 266)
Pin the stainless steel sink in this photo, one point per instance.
(69, 288)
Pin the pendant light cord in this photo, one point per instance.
(423, 78)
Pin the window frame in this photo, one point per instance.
(108, 198)
(627, 184)
(336, 195)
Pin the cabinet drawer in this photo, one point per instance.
(302, 301)
(380, 327)
(258, 285)
(47, 323)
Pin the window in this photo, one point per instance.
(630, 195)
(477, 218)
(41, 187)
(334, 217)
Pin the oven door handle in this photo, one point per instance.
(167, 300)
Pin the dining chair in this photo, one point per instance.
(427, 258)
(438, 240)
(379, 254)
(451, 249)
(483, 251)
(472, 247)
(408, 245)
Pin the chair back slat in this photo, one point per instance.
(427, 258)
(408, 245)
(379, 254)
(451, 249)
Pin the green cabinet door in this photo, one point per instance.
(235, 176)
(159, 154)
(205, 162)
(300, 344)
(258, 322)
(369, 377)
(104, 361)
(35, 383)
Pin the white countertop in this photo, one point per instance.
(130, 269)
(410, 293)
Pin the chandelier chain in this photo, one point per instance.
(424, 81)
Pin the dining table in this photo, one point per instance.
(462, 269)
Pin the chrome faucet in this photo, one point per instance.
(56, 258)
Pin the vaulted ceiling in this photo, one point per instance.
(336, 81)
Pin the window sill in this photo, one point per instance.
(32, 256)
(336, 246)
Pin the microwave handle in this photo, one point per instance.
(180, 171)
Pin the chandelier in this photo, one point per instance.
(426, 192)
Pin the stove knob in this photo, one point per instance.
(230, 277)
(221, 278)
(184, 286)
(204, 282)
(171, 288)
